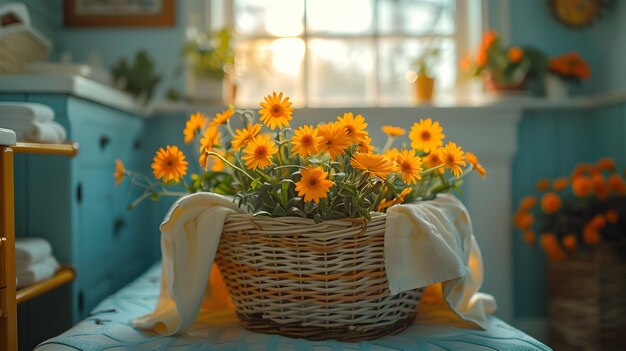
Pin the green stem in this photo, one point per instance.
(388, 144)
(430, 170)
(211, 153)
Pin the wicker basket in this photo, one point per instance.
(587, 306)
(293, 277)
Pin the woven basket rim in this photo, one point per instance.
(377, 216)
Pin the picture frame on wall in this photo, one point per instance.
(119, 13)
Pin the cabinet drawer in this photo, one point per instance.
(100, 142)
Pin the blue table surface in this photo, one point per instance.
(109, 328)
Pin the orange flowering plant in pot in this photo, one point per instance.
(504, 68)
(564, 70)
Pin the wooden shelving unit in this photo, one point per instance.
(9, 296)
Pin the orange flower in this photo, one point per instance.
(194, 125)
(582, 186)
(169, 164)
(314, 184)
(275, 111)
(245, 135)
(616, 184)
(523, 220)
(473, 160)
(305, 141)
(542, 184)
(612, 216)
(515, 54)
(392, 131)
(433, 160)
(221, 118)
(258, 153)
(527, 202)
(453, 158)
(365, 145)
(426, 135)
(591, 235)
(569, 241)
(600, 187)
(597, 222)
(355, 126)
(606, 164)
(581, 70)
(374, 165)
(384, 203)
(393, 154)
(335, 139)
(560, 184)
(409, 166)
(581, 169)
(550, 203)
(119, 172)
(529, 237)
(550, 245)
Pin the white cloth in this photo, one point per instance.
(25, 112)
(432, 241)
(31, 250)
(27, 275)
(31, 122)
(423, 253)
(190, 234)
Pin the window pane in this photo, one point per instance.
(264, 66)
(341, 71)
(416, 16)
(340, 16)
(271, 17)
(396, 60)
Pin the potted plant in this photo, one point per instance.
(582, 221)
(425, 80)
(210, 58)
(139, 78)
(563, 70)
(504, 69)
(316, 197)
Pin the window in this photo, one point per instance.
(337, 52)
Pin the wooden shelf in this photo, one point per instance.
(63, 276)
(65, 149)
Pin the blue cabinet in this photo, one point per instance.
(75, 204)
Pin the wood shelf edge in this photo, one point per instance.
(69, 149)
(63, 276)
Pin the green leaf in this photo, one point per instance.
(278, 211)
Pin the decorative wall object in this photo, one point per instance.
(577, 13)
(121, 13)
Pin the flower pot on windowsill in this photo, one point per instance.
(494, 86)
(424, 88)
(210, 90)
(555, 87)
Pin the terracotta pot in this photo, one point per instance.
(424, 88)
(494, 86)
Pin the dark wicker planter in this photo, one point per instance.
(587, 305)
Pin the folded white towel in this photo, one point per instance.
(43, 132)
(36, 272)
(31, 250)
(432, 241)
(416, 250)
(26, 112)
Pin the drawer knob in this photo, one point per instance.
(104, 141)
(118, 225)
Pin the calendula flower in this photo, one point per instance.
(529, 237)
(169, 164)
(426, 135)
(258, 153)
(221, 118)
(600, 187)
(432, 159)
(515, 54)
(473, 160)
(245, 135)
(355, 126)
(453, 158)
(365, 145)
(582, 186)
(527, 202)
(305, 141)
(560, 184)
(523, 220)
(543, 184)
(217, 165)
(314, 184)
(612, 216)
(591, 235)
(210, 138)
(550, 245)
(194, 125)
(404, 193)
(384, 203)
(616, 184)
(334, 139)
(119, 172)
(569, 241)
(275, 111)
(409, 166)
(374, 165)
(550, 203)
(392, 131)
(393, 154)
(606, 164)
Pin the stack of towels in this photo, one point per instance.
(33, 261)
(31, 122)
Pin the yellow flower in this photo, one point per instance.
(245, 135)
(365, 145)
(392, 154)
(221, 118)
(194, 125)
(406, 191)
(473, 160)
(211, 137)
(119, 171)
(305, 141)
(169, 164)
(373, 164)
(452, 157)
(258, 152)
(217, 165)
(426, 135)
(432, 159)
(384, 203)
(276, 112)
(409, 166)
(314, 184)
(355, 126)
(392, 131)
(334, 139)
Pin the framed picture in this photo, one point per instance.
(119, 13)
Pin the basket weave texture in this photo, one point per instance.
(297, 278)
(587, 305)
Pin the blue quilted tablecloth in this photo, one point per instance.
(109, 328)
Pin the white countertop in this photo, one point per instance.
(72, 85)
